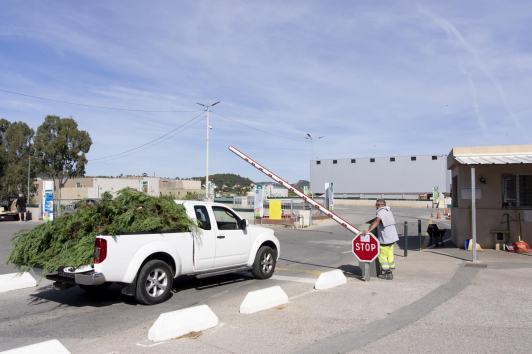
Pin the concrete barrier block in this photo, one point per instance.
(48, 347)
(15, 281)
(259, 300)
(330, 279)
(178, 323)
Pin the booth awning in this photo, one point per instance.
(493, 159)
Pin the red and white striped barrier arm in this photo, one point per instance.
(311, 201)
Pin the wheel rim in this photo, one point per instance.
(156, 282)
(266, 262)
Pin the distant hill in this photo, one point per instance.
(301, 183)
(228, 179)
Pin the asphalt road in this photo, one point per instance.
(32, 315)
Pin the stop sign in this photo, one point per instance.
(366, 248)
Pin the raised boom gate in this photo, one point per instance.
(288, 186)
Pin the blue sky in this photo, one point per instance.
(375, 78)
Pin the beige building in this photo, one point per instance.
(503, 193)
(93, 187)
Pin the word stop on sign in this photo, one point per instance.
(365, 246)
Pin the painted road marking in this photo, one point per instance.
(297, 279)
(313, 272)
(299, 270)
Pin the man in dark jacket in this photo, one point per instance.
(21, 207)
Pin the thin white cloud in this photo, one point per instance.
(452, 31)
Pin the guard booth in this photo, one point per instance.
(491, 194)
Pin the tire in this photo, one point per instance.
(264, 264)
(154, 283)
(96, 289)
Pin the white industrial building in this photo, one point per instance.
(400, 177)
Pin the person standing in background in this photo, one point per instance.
(21, 207)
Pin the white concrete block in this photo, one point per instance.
(330, 279)
(259, 300)
(15, 281)
(178, 323)
(48, 347)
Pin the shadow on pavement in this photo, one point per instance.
(77, 297)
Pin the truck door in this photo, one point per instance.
(232, 243)
(204, 244)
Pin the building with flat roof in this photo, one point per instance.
(401, 177)
(502, 176)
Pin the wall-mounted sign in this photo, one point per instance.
(48, 201)
(466, 193)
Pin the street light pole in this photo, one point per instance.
(312, 149)
(208, 128)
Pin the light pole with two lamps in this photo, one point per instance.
(312, 145)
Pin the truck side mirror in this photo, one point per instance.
(243, 223)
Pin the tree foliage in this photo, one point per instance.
(16, 151)
(60, 148)
(69, 239)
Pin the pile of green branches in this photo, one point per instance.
(69, 240)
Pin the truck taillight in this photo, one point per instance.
(100, 250)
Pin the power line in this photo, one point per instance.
(260, 130)
(116, 158)
(138, 147)
(93, 106)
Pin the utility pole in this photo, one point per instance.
(208, 128)
(29, 162)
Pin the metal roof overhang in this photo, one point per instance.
(494, 159)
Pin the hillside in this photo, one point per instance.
(228, 179)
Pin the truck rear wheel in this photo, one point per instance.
(264, 265)
(154, 283)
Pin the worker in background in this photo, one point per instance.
(387, 236)
(21, 207)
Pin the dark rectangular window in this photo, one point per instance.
(455, 196)
(392, 159)
(434, 157)
(353, 160)
(318, 162)
(335, 162)
(413, 158)
(371, 160)
(516, 191)
(204, 222)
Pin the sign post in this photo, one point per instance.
(366, 249)
(48, 201)
(258, 202)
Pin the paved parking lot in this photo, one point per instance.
(434, 304)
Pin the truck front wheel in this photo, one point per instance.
(264, 265)
(154, 283)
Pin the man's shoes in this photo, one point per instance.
(387, 275)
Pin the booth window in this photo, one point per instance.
(392, 159)
(335, 162)
(413, 158)
(318, 162)
(353, 160)
(516, 191)
(371, 160)
(434, 157)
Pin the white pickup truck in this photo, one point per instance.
(146, 263)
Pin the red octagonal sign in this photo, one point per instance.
(366, 248)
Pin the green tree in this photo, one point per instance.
(60, 149)
(16, 150)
